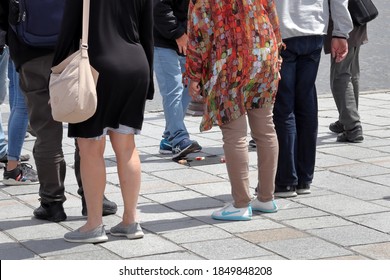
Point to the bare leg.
(93, 175)
(129, 171)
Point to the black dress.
(121, 50)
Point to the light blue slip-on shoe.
(266, 207)
(231, 213)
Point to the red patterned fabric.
(233, 52)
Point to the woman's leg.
(264, 134)
(236, 154)
(18, 119)
(129, 172)
(93, 175)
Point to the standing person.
(122, 90)
(170, 42)
(233, 63)
(303, 26)
(344, 84)
(34, 66)
(16, 173)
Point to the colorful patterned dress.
(233, 53)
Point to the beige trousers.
(237, 159)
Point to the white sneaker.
(267, 207)
(231, 213)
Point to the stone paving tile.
(353, 152)
(187, 224)
(98, 254)
(341, 205)
(18, 190)
(317, 222)
(255, 225)
(4, 195)
(187, 176)
(172, 256)
(309, 248)
(348, 258)
(263, 236)
(218, 190)
(360, 170)
(378, 221)
(14, 208)
(378, 251)
(351, 235)
(51, 247)
(225, 249)
(343, 184)
(25, 230)
(380, 179)
(149, 245)
(323, 160)
(158, 213)
(196, 235)
(17, 252)
(184, 200)
(295, 213)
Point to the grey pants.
(344, 83)
(47, 151)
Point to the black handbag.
(362, 11)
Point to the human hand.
(182, 43)
(339, 48)
(194, 91)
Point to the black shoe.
(252, 143)
(336, 127)
(354, 135)
(109, 207)
(303, 188)
(53, 212)
(285, 191)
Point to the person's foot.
(185, 147)
(165, 147)
(303, 188)
(266, 207)
(109, 207)
(133, 231)
(231, 213)
(96, 235)
(23, 174)
(336, 127)
(53, 212)
(354, 135)
(285, 191)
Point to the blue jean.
(3, 93)
(296, 110)
(169, 67)
(18, 119)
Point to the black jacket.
(20, 53)
(170, 22)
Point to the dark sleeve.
(70, 34)
(165, 20)
(146, 37)
(3, 21)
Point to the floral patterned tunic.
(233, 53)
